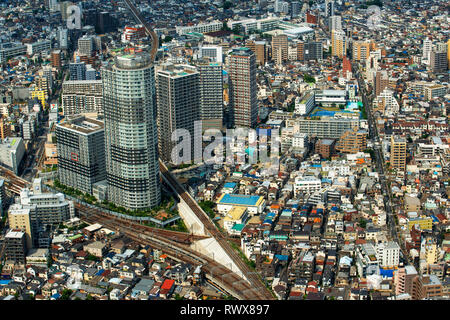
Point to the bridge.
(217, 246)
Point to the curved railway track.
(150, 32)
(252, 277)
(220, 275)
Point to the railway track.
(220, 275)
(253, 277)
(150, 32)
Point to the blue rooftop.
(230, 185)
(238, 199)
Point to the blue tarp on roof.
(282, 257)
(229, 185)
(386, 272)
(435, 219)
(4, 282)
(100, 272)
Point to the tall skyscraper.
(242, 79)
(80, 143)
(211, 95)
(178, 96)
(131, 153)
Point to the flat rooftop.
(82, 124)
(240, 200)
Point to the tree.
(65, 294)
(227, 5)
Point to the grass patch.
(250, 263)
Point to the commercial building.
(438, 61)
(81, 152)
(131, 34)
(12, 151)
(280, 48)
(15, 247)
(20, 219)
(243, 88)
(236, 215)
(253, 204)
(130, 132)
(178, 101)
(83, 96)
(260, 49)
(338, 43)
(398, 153)
(214, 53)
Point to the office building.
(260, 50)
(81, 152)
(280, 48)
(82, 97)
(56, 59)
(243, 88)
(335, 23)
(77, 71)
(398, 153)
(20, 219)
(214, 53)
(86, 45)
(338, 43)
(438, 61)
(16, 247)
(12, 150)
(211, 95)
(329, 8)
(129, 104)
(178, 100)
